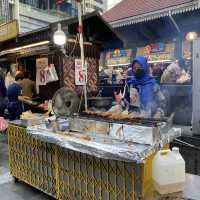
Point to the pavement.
(9, 190)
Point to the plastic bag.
(51, 74)
(134, 97)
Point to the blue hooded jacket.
(145, 85)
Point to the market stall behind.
(25, 50)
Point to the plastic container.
(168, 171)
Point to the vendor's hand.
(20, 98)
(118, 97)
(158, 115)
(26, 98)
(145, 114)
(41, 105)
(116, 108)
(23, 98)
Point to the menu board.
(157, 52)
(79, 73)
(118, 57)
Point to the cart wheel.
(16, 180)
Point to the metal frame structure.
(66, 174)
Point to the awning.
(40, 46)
(191, 6)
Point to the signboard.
(41, 65)
(119, 57)
(9, 31)
(79, 73)
(154, 48)
(155, 54)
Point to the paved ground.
(10, 190)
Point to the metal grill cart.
(71, 165)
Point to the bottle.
(168, 171)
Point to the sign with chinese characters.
(9, 31)
(79, 73)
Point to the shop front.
(161, 56)
(164, 39)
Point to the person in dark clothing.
(28, 89)
(2, 95)
(149, 96)
(15, 106)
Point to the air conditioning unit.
(11, 2)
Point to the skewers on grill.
(123, 117)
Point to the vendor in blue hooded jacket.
(144, 92)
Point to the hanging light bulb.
(59, 36)
(191, 36)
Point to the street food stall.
(77, 154)
(93, 157)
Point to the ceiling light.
(59, 36)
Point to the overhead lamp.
(191, 36)
(59, 36)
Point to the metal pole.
(174, 22)
(48, 5)
(84, 68)
(84, 8)
(17, 14)
(196, 87)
